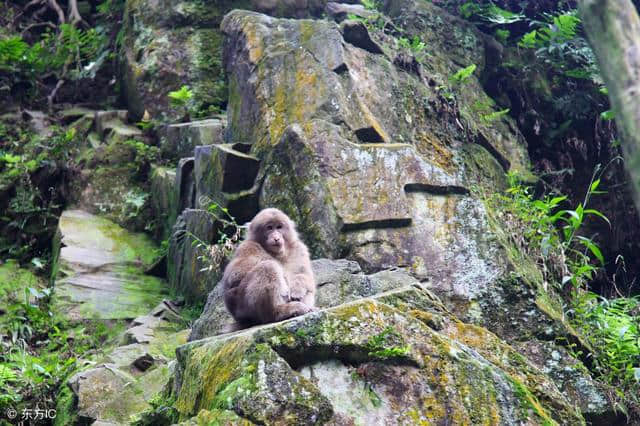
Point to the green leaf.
(608, 115)
(181, 96)
(593, 248)
(599, 214)
(463, 74)
(529, 40)
(557, 200)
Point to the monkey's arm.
(246, 257)
(303, 285)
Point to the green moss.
(210, 86)
(128, 247)
(387, 344)
(65, 408)
(165, 342)
(209, 369)
(529, 404)
(14, 280)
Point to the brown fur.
(269, 278)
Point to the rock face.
(168, 44)
(397, 358)
(179, 140)
(187, 264)
(369, 159)
(99, 270)
(379, 156)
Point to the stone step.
(178, 140)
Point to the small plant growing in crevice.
(370, 4)
(456, 80)
(463, 75)
(415, 45)
(180, 99)
(214, 254)
(387, 344)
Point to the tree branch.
(55, 6)
(74, 13)
(613, 29)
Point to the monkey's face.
(274, 231)
(275, 234)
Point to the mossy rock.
(348, 363)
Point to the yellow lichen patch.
(279, 119)
(291, 99)
(432, 409)
(373, 122)
(489, 346)
(435, 150)
(255, 42)
(306, 31)
(306, 89)
(209, 368)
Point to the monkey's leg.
(291, 309)
(266, 289)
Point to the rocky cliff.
(383, 156)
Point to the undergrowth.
(39, 348)
(542, 228)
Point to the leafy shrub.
(38, 349)
(612, 327)
(415, 44)
(180, 97)
(489, 13)
(550, 235)
(71, 52)
(463, 75)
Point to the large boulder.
(397, 358)
(368, 158)
(171, 43)
(225, 177)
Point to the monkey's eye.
(269, 227)
(279, 226)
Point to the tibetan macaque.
(269, 278)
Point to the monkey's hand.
(298, 290)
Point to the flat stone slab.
(90, 241)
(103, 266)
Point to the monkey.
(269, 278)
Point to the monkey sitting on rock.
(269, 278)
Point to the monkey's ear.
(292, 224)
(251, 231)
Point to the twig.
(74, 14)
(53, 93)
(39, 24)
(24, 10)
(55, 6)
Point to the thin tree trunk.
(613, 29)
